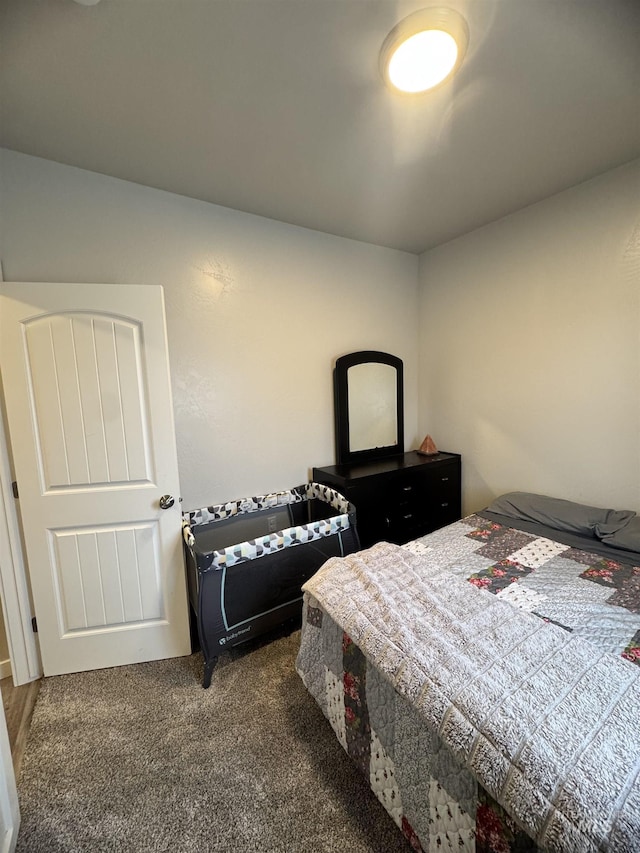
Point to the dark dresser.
(401, 497)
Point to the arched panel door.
(86, 381)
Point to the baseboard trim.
(5, 668)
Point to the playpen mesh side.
(271, 542)
(259, 502)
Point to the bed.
(486, 678)
(247, 560)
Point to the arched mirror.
(368, 406)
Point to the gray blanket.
(546, 721)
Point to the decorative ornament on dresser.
(428, 447)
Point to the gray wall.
(257, 313)
(526, 339)
(530, 347)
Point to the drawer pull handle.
(445, 479)
(408, 516)
(447, 504)
(407, 488)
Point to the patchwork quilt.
(487, 683)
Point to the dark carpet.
(141, 758)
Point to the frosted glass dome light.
(424, 50)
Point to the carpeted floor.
(141, 758)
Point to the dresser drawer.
(426, 500)
(409, 490)
(411, 522)
(446, 483)
(404, 523)
(444, 489)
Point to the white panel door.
(86, 381)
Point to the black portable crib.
(247, 559)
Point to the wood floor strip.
(19, 703)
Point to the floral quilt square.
(587, 558)
(632, 651)
(314, 616)
(504, 544)
(496, 831)
(497, 542)
(499, 576)
(628, 594)
(483, 529)
(476, 521)
(608, 573)
(356, 712)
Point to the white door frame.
(24, 653)
(17, 609)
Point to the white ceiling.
(275, 107)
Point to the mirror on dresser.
(398, 496)
(369, 407)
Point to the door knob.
(166, 502)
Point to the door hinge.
(14, 488)
(34, 625)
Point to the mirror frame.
(344, 454)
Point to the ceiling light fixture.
(424, 50)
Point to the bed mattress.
(486, 681)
